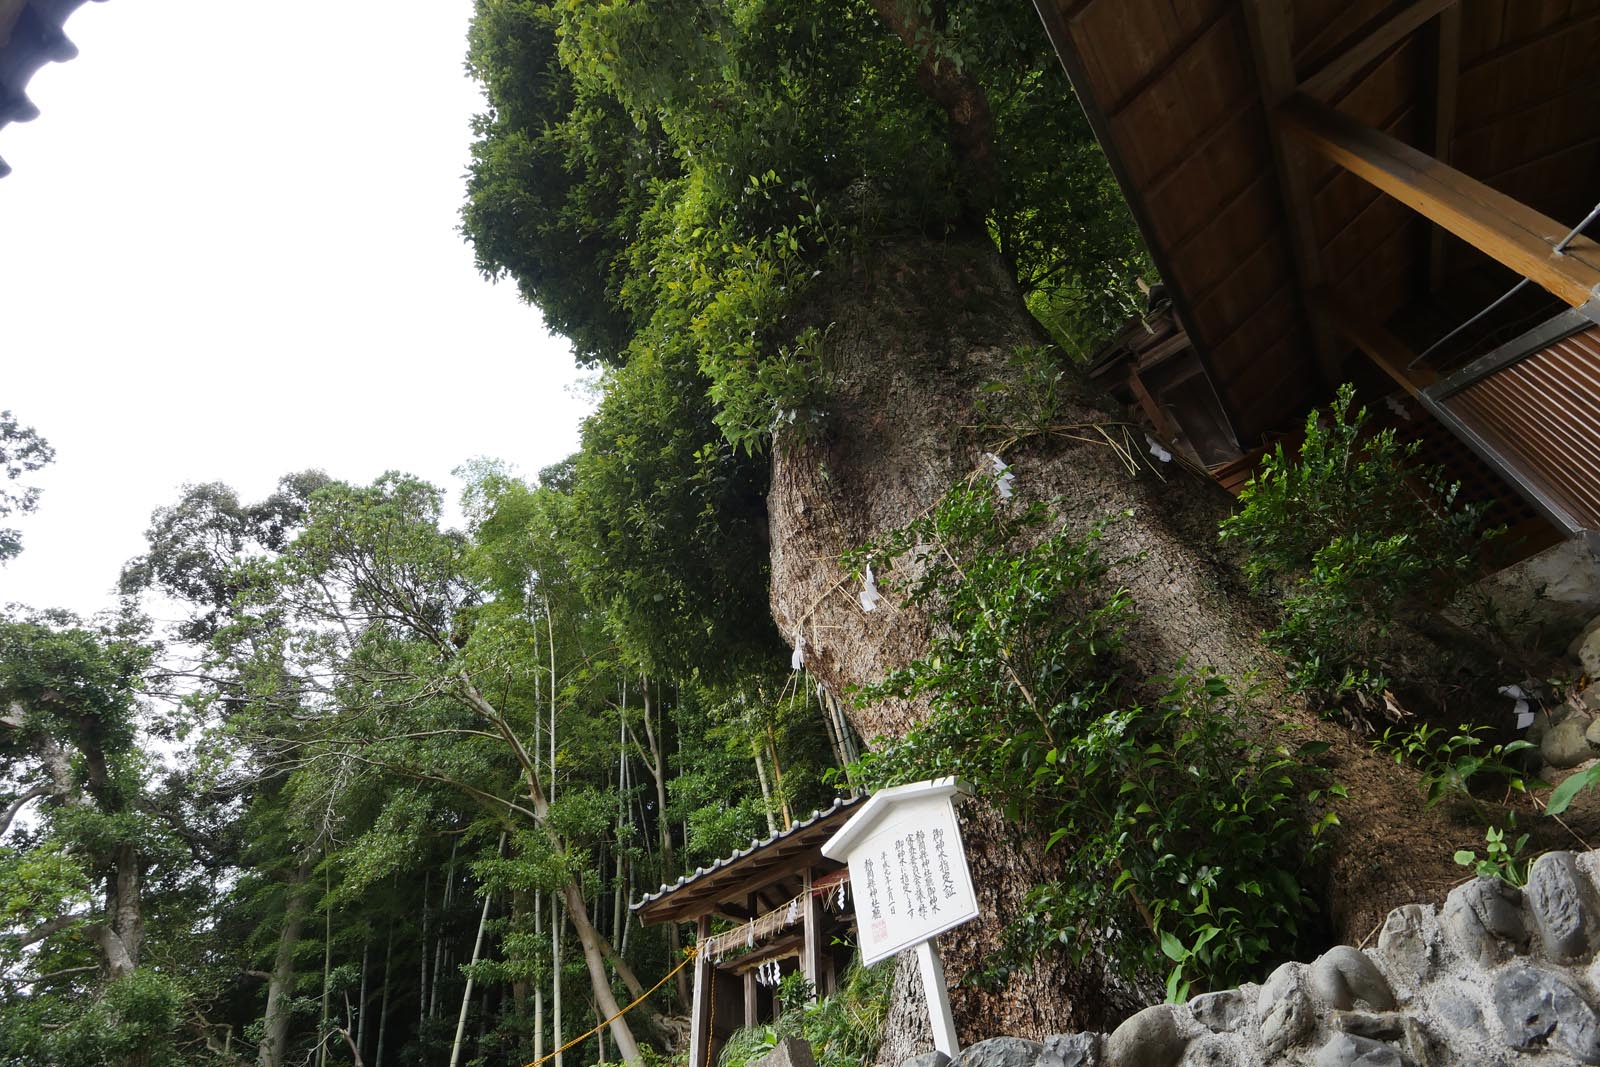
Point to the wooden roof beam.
(1271, 28)
(1370, 42)
(1502, 228)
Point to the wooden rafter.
(1371, 41)
(1508, 231)
(1151, 407)
(1446, 81)
(1271, 42)
(1058, 16)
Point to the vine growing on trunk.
(1172, 811)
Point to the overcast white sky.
(228, 251)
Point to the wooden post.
(937, 995)
(750, 1019)
(700, 1021)
(810, 958)
(1271, 26)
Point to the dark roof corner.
(31, 35)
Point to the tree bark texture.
(916, 330)
(280, 987)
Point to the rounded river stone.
(1540, 1008)
(1071, 1050)
(1151, 1038)
(1220, 1012)
(1343, 1050)
(1565, 744)
(1284, 1010)
(1559, 896)
(1000, 1052)
(1343, 977)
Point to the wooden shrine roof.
(764, 870)
(31, 35)
(1178, 91)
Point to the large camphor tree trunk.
(918, 328)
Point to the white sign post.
(909, 877)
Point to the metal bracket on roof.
(1519, 348)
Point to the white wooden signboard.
(909, 877)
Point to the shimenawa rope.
(688, 954)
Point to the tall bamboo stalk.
(327, 958)
(383, 1002)
(477, 951)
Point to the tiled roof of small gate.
(839, 805)
(31, 35)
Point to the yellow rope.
(711, 1016)
(688, 954)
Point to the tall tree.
(868, 198)
(389, 616)
(76, 881)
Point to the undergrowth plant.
(1354, 536)
(1453, 765)
(1174, 818)
(1463, 765)
(843, 1029)
(1502, 856)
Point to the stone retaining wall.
(1495, 976)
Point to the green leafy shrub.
(748, 1044)
(137, 1020)
(1561, 796)
(843, 1029)
(1174, 817)
(1455, 765)
(1355, 537)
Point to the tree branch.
(16, 806)
(48, 927)
(65, 971)
(972, 131)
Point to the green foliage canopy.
(22, 452)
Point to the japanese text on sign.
(911, 876)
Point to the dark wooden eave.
(31, 35)
(769, 872)
(1257, 231)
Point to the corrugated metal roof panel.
(1542, 415)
